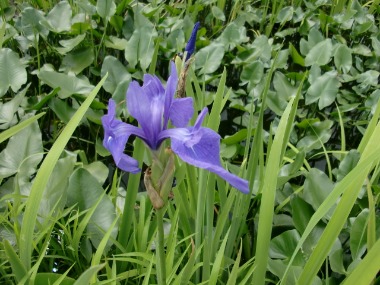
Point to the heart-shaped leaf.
(12, 71)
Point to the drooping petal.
(116, 134)
(190, 47)
(200, 147)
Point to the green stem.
(160, 265)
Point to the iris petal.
(199, 147)
(181, 111)
(146, 104)
(116, 134)
(171, 88)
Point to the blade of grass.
(218, 264)
(370, 129)
(371, 229)
(269, 191)
(255, 153)
(235, 269)
(130, 200)
(42, 178)
(20, 126)
(350, 187)
(367, 269)
(17, 266)
(86, 276)
(103, 243)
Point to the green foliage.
(292, 87)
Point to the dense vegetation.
(292, 87)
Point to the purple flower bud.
(190, 47)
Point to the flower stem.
(160, 264)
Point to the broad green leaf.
(297, 58)
(324, 90)
(233, 35)
(314, 37)
(372, 100)
(317, 133)
(8, 109)
(301, 214)
(336, 260)
(320, 54)
(59, 18)
(68, 45)
(218, 13)
(278, 267)
(284, 91)
(25, 144)
(252, 73)
(116, 43)
(106, 8)
(368, 78)
(209, 58)
(12, 71)
(84, 191)
(343, 58)
(68, 84)
(317, 187)
(347, 164)
(376, 46)
(32, 24)
(358, 235)
(118, 79)
(77, 60)
(98, 170)
(283, 246)
(285, 15)
(62, 109)
(140, 47)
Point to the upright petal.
(146, 104)
(190, 47)
(181, 111)
(116, 134)
(171, 87)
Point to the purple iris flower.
(153, 106)
(190, 47)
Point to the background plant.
(299, 80)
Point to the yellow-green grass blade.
(20, 126)
(359, 171)
(42, 178)
(269, 192)
(354, 181)
(17, 266)
(367, 269)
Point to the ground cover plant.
(112, 176)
